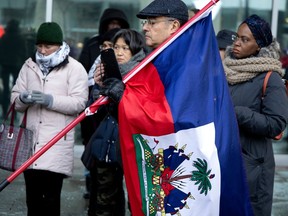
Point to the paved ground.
(12, 198)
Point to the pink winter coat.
(69, 87)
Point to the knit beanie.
(260, 29)
(49, 33)
(168, 8)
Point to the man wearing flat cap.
(162, 18)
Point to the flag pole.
(88, 111)
(104, 100)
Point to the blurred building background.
(80, 20)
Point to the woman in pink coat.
(53, 88)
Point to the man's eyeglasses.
(151, 22)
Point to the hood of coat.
(112, 14)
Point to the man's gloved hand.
(26, 97)
(113, 88)
(41, 98)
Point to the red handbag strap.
(23, 124)
(12, 112)
(19, 137)
(265, 83)
(11, 131)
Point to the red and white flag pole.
(104, 100)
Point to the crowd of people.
(54, 88)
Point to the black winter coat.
(260, 120)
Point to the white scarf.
(47, 62)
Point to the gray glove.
(26, 97)
(41, 98)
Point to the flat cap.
(168, 8)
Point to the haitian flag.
(178, 132)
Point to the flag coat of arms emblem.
(178, 132)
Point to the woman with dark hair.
(261, 116)
(129, 48)
(107, 197)
(132, 38)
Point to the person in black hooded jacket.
(111, 18)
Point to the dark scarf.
(135, 60)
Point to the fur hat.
(225, 38)
(49, 33)
(168, 8)
(260, 29)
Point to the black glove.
(95, 93)
(113, 88)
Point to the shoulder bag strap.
(278, 137)
(11, 128)
(12, 112)
(23, 124)
(265, 83)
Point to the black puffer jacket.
(260, 120)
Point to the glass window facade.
(80, 18)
